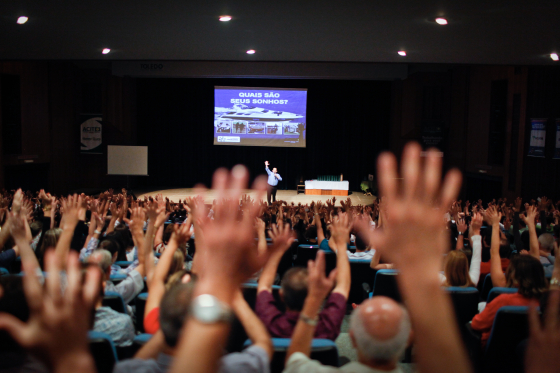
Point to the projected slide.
(260, 116)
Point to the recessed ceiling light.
(21, 20)
(554, 56)
(105, 50)
(441, 21)
(402, 53)
(225, 18)
(251, 51)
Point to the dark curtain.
(347, 127)
(541, 176)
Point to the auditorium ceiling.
(478, 31)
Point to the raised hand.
(414, 228)
(544, 339)
(266, 163)
(71, 214)
(492, 216)
(282, 237)
(226, 248)
(17, 201)
(57, 327)
(136, 222)
(319, 284)
(461, 225)
(476, 224)
(340, 230)
(531, 213)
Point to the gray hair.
(547, 242)
(380, 350)
(106, 259)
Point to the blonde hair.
(457, 269)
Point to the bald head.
(380, 329)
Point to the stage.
(357, 198)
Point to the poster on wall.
(91, 133)
(557, 148)
(538, 137)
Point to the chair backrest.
(509, 329)
(360, 272)
(140, 303)
(115, 301)
(494, 292)
(322, 350)
(385, 284)
(305, 253)
(250, 293)
(117, 278)
(486, 287)
(103, 351)
(465, 303)
(123, 263)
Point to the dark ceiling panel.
(479, 32)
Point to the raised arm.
(57, 326)
(476, 241)
(255, 329)
(136, 225)
(461, 228)
(319, 225)
(414, 238)
(340, 230)
(234, 257)
(156, 285)
(319, 288)
(493, 217)
(282, 240)
(69, 221)
(533, 239)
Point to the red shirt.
(151, 321)
(282, 324)
(484, 320)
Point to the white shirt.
(299, 363)
(361, 255)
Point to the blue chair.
(115, 301)
(103, 351)
(123, 263)
(494, 292)
(509, 329)
(385, 284)
(486, 287)
(250, 293)
(142, 339)
(465, 303)
(140, 303)
(322, 350)
(361, 273)
(4, 271)
(117, 278)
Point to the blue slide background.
(297, 104)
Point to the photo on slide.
(239, 127)
(223, 127)
(255, 128)
(274, 128)
(250, 116)
(291, 129)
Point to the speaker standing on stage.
(273, 178)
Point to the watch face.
(207, 309)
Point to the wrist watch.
(208, 309)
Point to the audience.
(46, 313)
(294, 289)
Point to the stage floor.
(289, 196)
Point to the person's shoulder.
(355, 366)
(137, 366)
